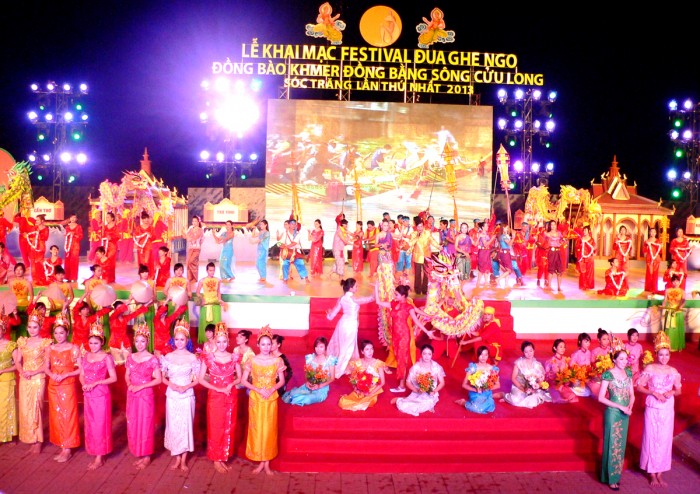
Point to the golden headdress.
(182, 326)
(141, 329)
(661, 341)
(265, 331)
(97, 330)
(36, 317)
(221, 330)
(61, 320)
(616, 344)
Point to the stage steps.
(407, 445)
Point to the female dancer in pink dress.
(634, 350)
(142, 374)
(661, 383)
(96, 374)
(581, 357)
(559, 363)
(343, 343)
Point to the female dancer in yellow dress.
(364, 396)
(8, 407)
(30, 355)
(267, 372)
(211, 302)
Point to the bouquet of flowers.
(565, 376)
(362, 380)
(482, 380)
(425, 382)
(536, 383)
(647, 358)
(315, 375)
(580, 373)
(602, 363)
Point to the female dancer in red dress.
(110, 236)
(144, 235)
(680, 252)
(358, 251)
(585, 249)
(623, 248)
(37, 250)
(316, 252)
(652, 256)
(71, 245)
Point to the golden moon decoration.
(380, 26)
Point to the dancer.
(680, 252)
(162, 324)
(162, 265)
(261, 237)
(24, 293)
(210, 302)
(83, 319)
(7, 263)
(674, 314)
(144, 235)
(220, 372)
(71, 246)
(661, 383)
(489, 335)
(425, 380)
(561, 392)
(8, 402)
(602, 350)
(110, 236)
(277, 341)
(62, 368)
(541, 254)
(142, 375)
(180, 369)
(554, 243)
(227, 258)
(582, 358)
(343, 343)
(617, 393)
(291, 245)
(37, 239)
(652, 258)
(484, 242)
(463, 248)
(402, 235)
(30, 359)
(506, 255)
(404, 315)
(51, 263)
(242, 349)
(623, 248)
(529, 385)
(97, 372)
(262, 444)
(358, 248)
(481, 380)
(634, 352)
(319, 371)
(616, 283)
(194, 236)
(316, 251)
(585, 249)
(341, 238)
(367, 379)
(421, 242)
(94, 233)
(26, 225)
(119, 342)
(371, 236)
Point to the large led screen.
(365, 158)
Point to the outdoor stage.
(324, 438)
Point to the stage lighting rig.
(685, 135)
(60, 119)
(231, 112)
(528, 114)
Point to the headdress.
(182, 326)
(616, 344)
(489, 310)
(36, 317)
(661, 341)
(97, 330)
(265, 331)
(61, 320)
(141, 329)
(221, 330)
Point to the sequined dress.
(8, 403)
(97, 414)
(221, 408)
(262, 412)
(63, 399)
(140, 407)
(31, 391)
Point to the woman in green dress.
(617, 393)
(674, 314)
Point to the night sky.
(144, 62)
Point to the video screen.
(365, 158)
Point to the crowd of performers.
(55, 347)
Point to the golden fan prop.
(141, 292)
(178, 295)
(8, 302)
(103, 295)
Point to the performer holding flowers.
(367, 379)
(481, 380)
(529, 385)
(425, 380)
(559, 375)
(319, 373)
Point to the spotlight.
(204, 155)
(672, 174)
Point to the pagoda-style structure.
(622, 206)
